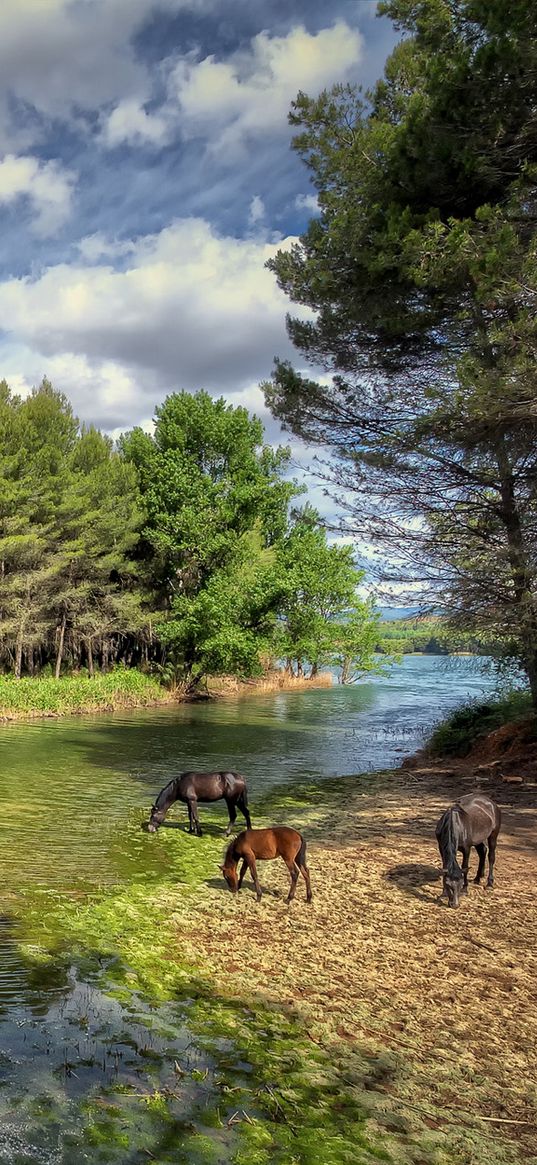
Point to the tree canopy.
(421, 273)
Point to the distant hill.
(391, 613)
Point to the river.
(74, 793)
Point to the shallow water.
(74, 793)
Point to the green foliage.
(321, 618)
(216, 502)
(240, 580)
(68, 526)
(456, 735)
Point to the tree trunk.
(521, 573)
(90, 659)
(18, 652)
(59, 656)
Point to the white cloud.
(97, 246)
(130, 122)
(190, 310)
(250, 93)
(63, 57)
(47, 187)
(307, 202)
(256, 213)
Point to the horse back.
(208, 786)
(482, 816)
(279, 841)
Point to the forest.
(183, 552)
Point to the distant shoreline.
(50, 699)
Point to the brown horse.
(474, 820)
(193, 787)
(266, 844)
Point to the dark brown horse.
(472, 821)
(266, 844)
(193, 787)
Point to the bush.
(456, 735)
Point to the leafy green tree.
(228, 626)
(216, 501)
(421, 270)
(322, 621)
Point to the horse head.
(156, 817)
(453, 884)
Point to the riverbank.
(27, 698)
(372, 1024)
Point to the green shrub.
(456, 735)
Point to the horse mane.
(164, 793)
(447, 841)
(229, 852)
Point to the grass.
(121, 688)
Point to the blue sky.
(146, 176)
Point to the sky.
(146, 175)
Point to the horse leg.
(482, 851)
(293, 872)
(190, 818)
(253, 870)
(306, 876)
(242, 872)
(492, 858)
(232, 815)
(195, 821)
(465, 864)
(243, 806)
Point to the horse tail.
(301, 855)
(242, 802)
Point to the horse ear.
(222, 868)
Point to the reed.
(46, 696)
